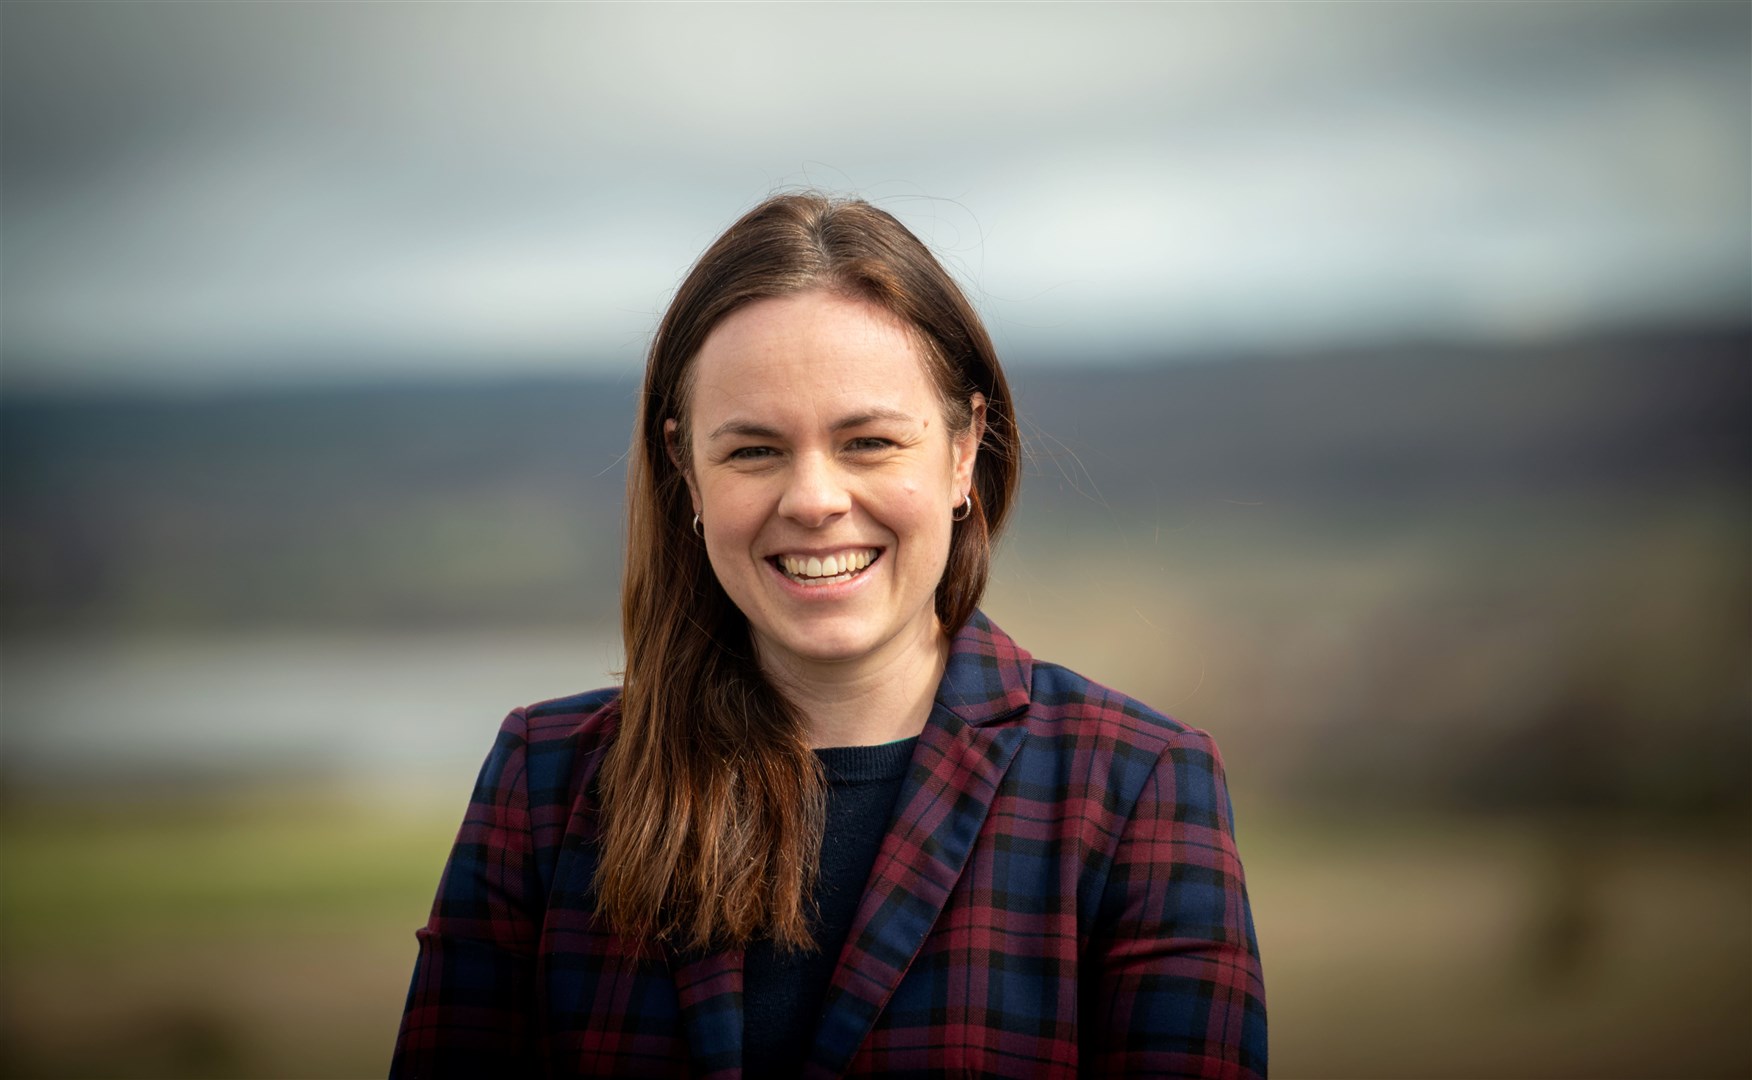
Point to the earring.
(965, 510)
(699, 532)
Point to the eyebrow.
(750, 430)
(870, 416)
(745, 428)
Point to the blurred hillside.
(1407, 427)
(388, 507)
(482, 503)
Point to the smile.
(826, 569)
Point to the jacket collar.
(988, 675)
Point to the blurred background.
(1386, 382)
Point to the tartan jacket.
(1058, 895)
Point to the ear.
(965, 447)
(682, 466)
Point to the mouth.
(816, 570)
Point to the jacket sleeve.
(470, 1005)
(1172, 983)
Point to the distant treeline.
(448, 503)
(1600, 418)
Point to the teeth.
(830, 566)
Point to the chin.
(824, 645)
(828, 639)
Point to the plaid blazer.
(1058, 895)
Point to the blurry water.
(372, 708)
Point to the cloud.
(231, 192)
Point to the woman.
(834, 821)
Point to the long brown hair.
(712, 801)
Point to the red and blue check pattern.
(1058, 895)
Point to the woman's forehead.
(820, 321)
(813, 355)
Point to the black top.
(782, 991)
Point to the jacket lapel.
(962, 756)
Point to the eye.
(751, 453)
(869, 442)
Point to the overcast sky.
(216, 194)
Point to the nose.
(815, 492)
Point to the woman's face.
(824, 475)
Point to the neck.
(876, 699)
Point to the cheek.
(917, 515)
(929, 479)
(921, 496)
(905, 498)
(729, 510)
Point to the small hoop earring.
(699, 532)
(964, 511)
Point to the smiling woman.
(834, 821)
(824, 470)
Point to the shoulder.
(552, 748)
(1065, 702)
(1075, 726)
(1127, 751)
(589, 716)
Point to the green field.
(268, 936)
(271, 936)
